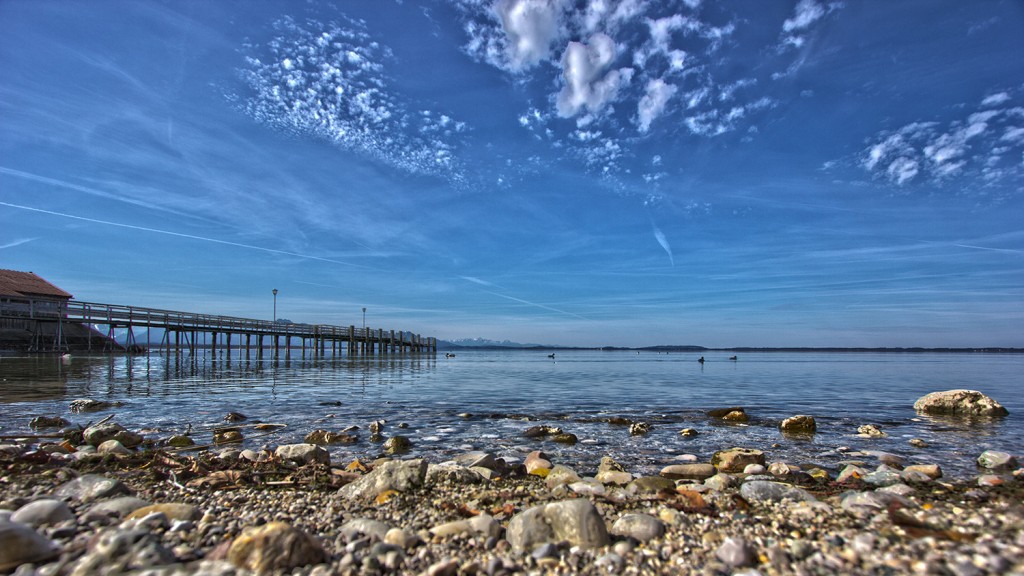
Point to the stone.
(537, 464)
(477, 458)
(719, 482)
(482, 524)
(325, 437)
(930, 470)
(736, 416)
(699, 472)
(870, 431)
(45, 512)
(883, 476)
(100, 433)
(576, 521)
(541, 431)
(851, 473)
(112, 447)
(561, 475)
(404, 539)
(399, 475)
(565, 438)
(959, 403)
(650, 484)
(397, 445)
(997, 460)
(800, 424)
(688, 432)
(769, 491)
(116, 551)
(736, 459)
(639, 428)
(235, 417)
(753, 469)
(180, 441)
(88, 405)
(48, 422)
(303, 453)
(864, 503)
(122, 505)
(918, 443)
(230, 436)
(614, 477)
(608, 464)
(722, 412)
(172, 511)
(364, 526)
(273, 547)
(20, 544)
(736, 552)
(89, 487)
(452, 472)
(641, 527)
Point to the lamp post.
(274, 291)
(364, 317)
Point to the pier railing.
(355, 339)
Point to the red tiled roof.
(24, 284)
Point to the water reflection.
(485, 400)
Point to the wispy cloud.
(17, 242)
(179, 234)
(663, 241)
(536, 305)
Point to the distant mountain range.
(484, 343)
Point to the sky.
(580, 173)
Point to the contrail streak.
(180, 235)
(84, 189)
(534, 304)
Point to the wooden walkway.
(182, 331)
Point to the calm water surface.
(506, 392)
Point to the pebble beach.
(114, 501)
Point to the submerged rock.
(323, 437)
(48, 422)
(800, 424)
(959, 403)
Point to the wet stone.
(100, 433)
(689, 471)
(48, 422)
(397, 445)
(800, 424)
(870, 431)
(736, 459)
(997, 460)
(325, 437)
(959, 403)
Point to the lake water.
(505, 392)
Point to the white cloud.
(653, 103)
(996, 99)
(982, 144)
(531, 27)
(328, 81)
(586, 85)
(807, 12)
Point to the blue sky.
(598, 172)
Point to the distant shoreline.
(898, 350)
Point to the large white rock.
(959, 403)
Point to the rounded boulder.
(959, 403)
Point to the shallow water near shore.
(487, 399)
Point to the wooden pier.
(182, 331)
